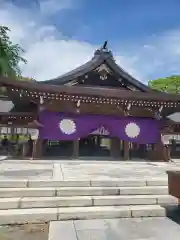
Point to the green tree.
(22, 78)
(169, 84)
(10, 55)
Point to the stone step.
(85, 201)
(82, 191)
(39, 215)
(101, 191)
(132, 182)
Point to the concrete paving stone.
(124, 200)
(87, 191)
(13, 183)
(127, 229)
(49, 202)
(75, 213)
(21, 216)
(92, 234)
(118, 183)
(62, 230)
(148, 211)
(93, 224)
(9, 203)
(26, 192)
(157, 182)
(156, 190)
(57, 171)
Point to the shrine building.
(97, 110)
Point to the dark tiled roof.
(100, 57)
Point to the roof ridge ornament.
(102, 50)
(104, 47)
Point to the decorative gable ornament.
(103, 71)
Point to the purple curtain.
(63, 126)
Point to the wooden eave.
(41, 89)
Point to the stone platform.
(40, 191)
(115, 229)
(84, 169)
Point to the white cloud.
(49, 7)
(51, 54)
(48, 52)
(159, 56)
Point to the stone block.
(75, 183)
(21, 216)
(118, 183)
(123, 200)
(156, 190)
(49, 202)
(57, 183)
(157, 182)
(13, 183)
(9, 203)
(93, 213)
(87, 191)
(43, 183)
(167, 200)
(26, 192)
(148, 211)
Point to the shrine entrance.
(118, 138)
(95, 145)
(98, 143)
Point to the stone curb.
(85, 201)
(111, 212)
(81, 191)
(39, 215)
(5, 183)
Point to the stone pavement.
(83, 170)
(116, 229)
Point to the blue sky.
(120, 20)
(143, 35)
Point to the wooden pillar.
(126, 150)
(37, 148)
(111, 147)
(115, 147)
(76, 148)
(159, 153)
(98, 141)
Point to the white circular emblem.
(67, 126)
(132, 130)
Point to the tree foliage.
(169, 84)
(22, 78)
(10, 55)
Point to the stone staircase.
(23, 201)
